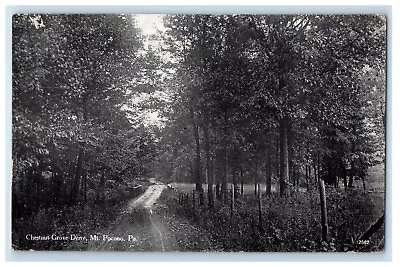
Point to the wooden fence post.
(324, 213)
(260, 220)
(232, 200)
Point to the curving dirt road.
(147, 199)
(136, 229)
(145, 225)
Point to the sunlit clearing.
(149, 23)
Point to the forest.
(234, 132)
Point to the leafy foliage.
(72, 77)
(244, 76)
(239, 98)
(289, 224)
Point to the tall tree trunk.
(278, 152)
(234, 179)
(260, 219)
(255, 174)
(268, 182)
(324, 214)
(197, 172)
(319, 167)
(102, 190)
(241, 183)
(213, 173)
(353, 150)
(65, 199)
(224, 184)
(290, 153)
(81, 154)
(224, 188)
(351, 177)
(284, 158)
(308, 176)
(55, 187)
(209, 172)
(77, 176)
(315, 171)
(84, 189)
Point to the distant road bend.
(147, 199)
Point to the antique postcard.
(198, 132)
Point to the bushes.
(64, 221)
(58, 222)
(289, 224)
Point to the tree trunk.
(225, 160)
(234, 179)
(284, 158)
(315, 171)
(324, 213)
(81, 154)
(268, 182)
(82, 194)
(197, 172)
(232, 199)
(56, 186)
(319, 167)
(85, 189)
(77, 177)
(102, 190)
(241, 183)
(351, 177)
(260, 219)
(209, 172)
(278, 152)
(353, 150)
(307, 176)
(224, 184)
(213, 174)
(290, 153)
(255, 174)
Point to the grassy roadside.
(288, 224)
(63, 222)
(180, 231)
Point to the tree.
(72, 76)
(256, 74)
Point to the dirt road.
(136, 229)
(147, 199)
(146, 225)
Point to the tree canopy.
(297, 85)
(102, 111)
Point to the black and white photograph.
(199, 132)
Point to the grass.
(63, 221)
(288, 224)
(59, 222)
